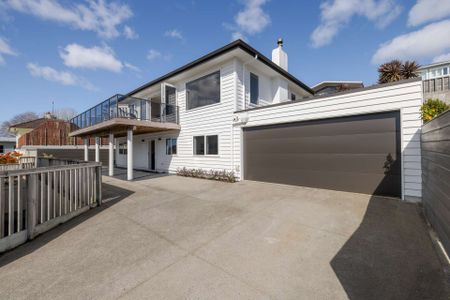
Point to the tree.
(433, 107)
(20, 118)
(65, 113)
(409, 69)
(396, 70)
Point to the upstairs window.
(293, 97)
(254, 88)
(203, 91)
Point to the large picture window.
(208, 145)
(203, 91)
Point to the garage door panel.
(359, 153)
(365, 163)
(326, 128)
(362, 182)
(360, 143)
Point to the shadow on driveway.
(390, 256)
(111, 195)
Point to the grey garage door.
(357, 154)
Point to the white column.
(97, 149)
(130, 154)
(86, 148)
(111, 154)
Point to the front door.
(151, 155)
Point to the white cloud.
(131, 67)
(252, 19)
(442, 57)
(77, 56)
(62, 77)
(174, 33)
(155, 54)
(5, 49)
(97, 15)
(130, 33)
(336, 14)
(428, 10)
(237, 36)
(427, 42)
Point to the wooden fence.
(33, 201)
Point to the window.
(2, 149)
(208, 145)
(212, 145)
(199, 145)
(203, 91)
(254, 88)
(293, 97)
(171, 146)
(123, 149)
(445, 71)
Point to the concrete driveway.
(171, 237)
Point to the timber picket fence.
(32, 201)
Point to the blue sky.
(77, 53)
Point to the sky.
(78, 53)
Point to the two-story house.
(235, 109)
(436, 81)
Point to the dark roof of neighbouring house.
(351, 84)
(35, 123)
(234, 45)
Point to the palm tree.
(390, 71)
(410, 69)
(396, 70)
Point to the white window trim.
(204, 145)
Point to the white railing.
(33, 201)
(25, 162)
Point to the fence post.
(32, 204)
(98, 183)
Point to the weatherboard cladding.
(405, 97)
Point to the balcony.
(120, 113)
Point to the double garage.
(366, 141)
(357, 153)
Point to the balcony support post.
(111, 155)
(86, 149)
(97, 149)
(130, 154)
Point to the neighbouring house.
(45, 131)
(7, 144)
(235, 109)
(436, 81)
(331, 87)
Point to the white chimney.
(279, 56)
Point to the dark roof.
(236, 44)
(34, 123)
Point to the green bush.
(433, 107)
(227, 176)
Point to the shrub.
(226, 176)
(431, 108)
(10, 158)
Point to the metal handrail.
(119, 106)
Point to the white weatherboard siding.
(404, 97)
(215, 119)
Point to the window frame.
(252, 77)
(170, 143)
(123, 149)
(205, 145)
(198, 79)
